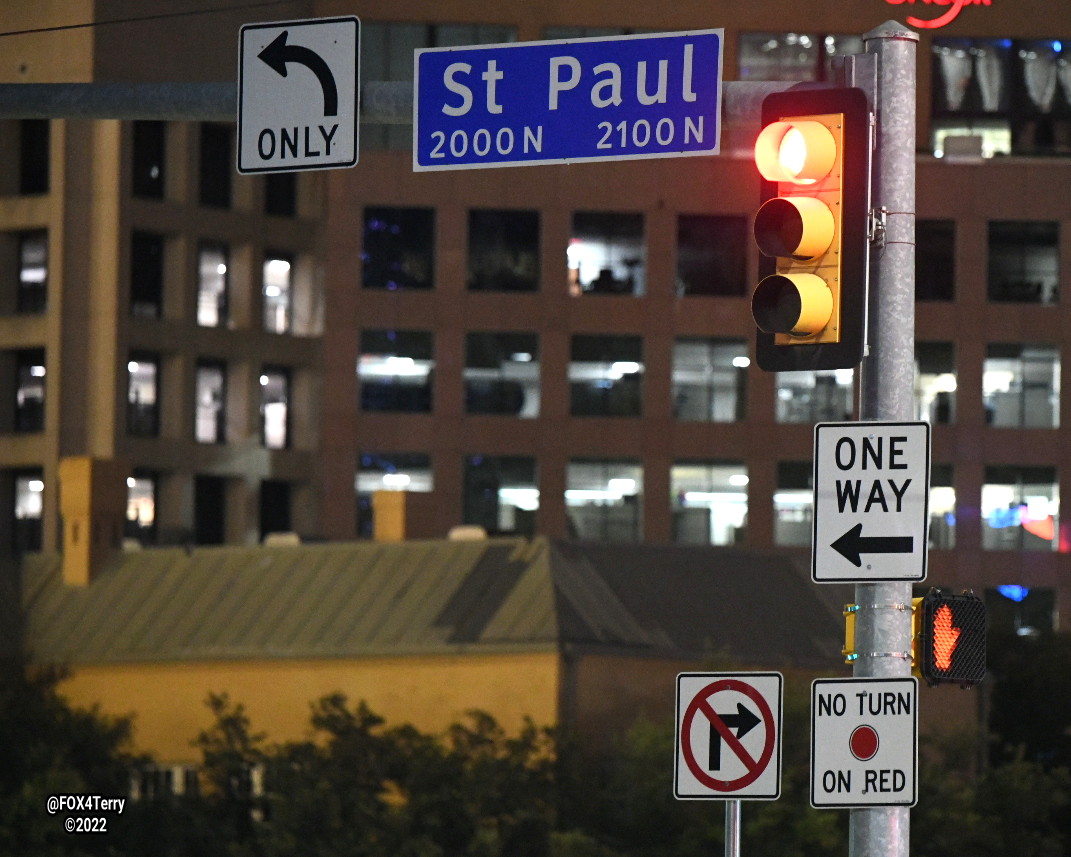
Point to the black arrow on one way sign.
(743, 722)
(853, 543)
(279, 53)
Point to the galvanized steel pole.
(887, 384)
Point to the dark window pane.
(399, 248)
(711, 255)
(280, 194)
(33, 156)
(149, 156)
(1024, 262)
(935, 260)
(274, 507)
(504, 250)
(217, 165)
(146, 274)
(209, 510)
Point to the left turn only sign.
(728, 736)
(297, 95)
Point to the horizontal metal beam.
(382, 102)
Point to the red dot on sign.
(864, 743)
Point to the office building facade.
(556, 350)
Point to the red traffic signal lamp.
(814, 154)
(950, 644)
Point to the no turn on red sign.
(864, 742)
(728, 736)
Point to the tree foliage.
(359, 787)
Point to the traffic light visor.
(801, 152)
(796, 304)
(800, 226)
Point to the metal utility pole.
(883, 622)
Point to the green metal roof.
(422, 597)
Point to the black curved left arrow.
(279, 53)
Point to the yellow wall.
(430, 692)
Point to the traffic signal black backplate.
(848, 352)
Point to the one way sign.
(297, 95)
(871, 501)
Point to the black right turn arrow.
(853, 543)
(743, 722)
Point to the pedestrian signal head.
(951, 646)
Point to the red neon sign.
(954, 9)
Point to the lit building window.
(388, 471)
(143, 394)
(606, 376)
(395, 370)
(709, 379)
(814, 397)
(210, 424)
(1024, 262)
(604, 500)
(606, 254)
(935, 382)
(1021, 386)
(503, 250)
(141, 508)
(275, 407)
(793, 504)
(1020, 508)
(500, 493)
(712, 255)
(502, 374)
(29, 511)
(33, 272)
(709, 502)
(399, 248)
(942, 529)
(793, 56)
(276, 292)
(1000, 96)
(30, 390)
(212, 278)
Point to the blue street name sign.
(557, 102)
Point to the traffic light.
(950, 643)
(814, 154)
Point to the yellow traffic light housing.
(813, 154)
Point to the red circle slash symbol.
(721, 731)
(864, 743)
